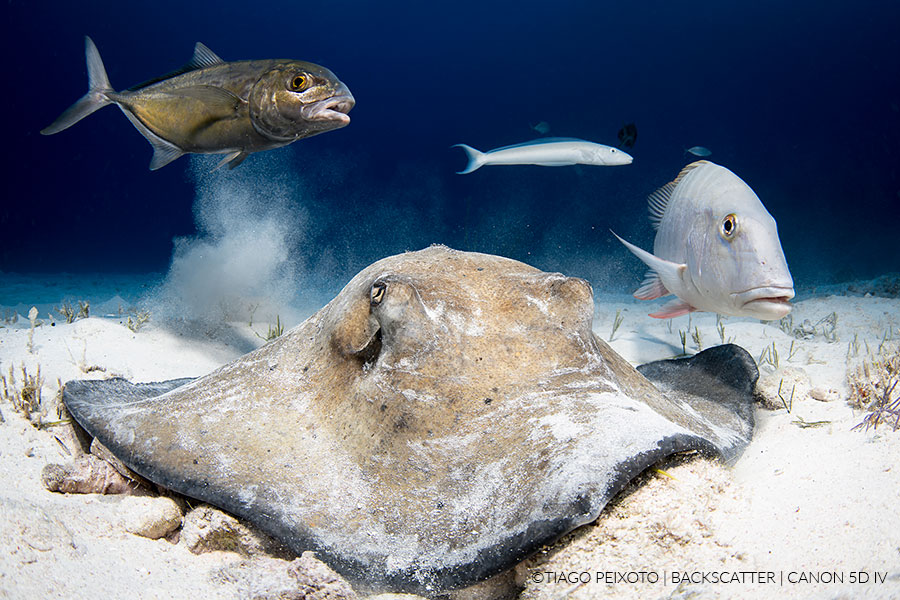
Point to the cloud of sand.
(243, 263)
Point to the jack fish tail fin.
(476, 158)
(95, 99)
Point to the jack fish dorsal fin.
(658, 201)
(203, 57)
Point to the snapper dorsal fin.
(688, 168)
(658, 201)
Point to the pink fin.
(672, 309)
(651, 288)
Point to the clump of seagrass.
(875, 388)
(137, 319)
(616, 323)
(71, 313)
(826, 327)
(27, 399)
(274, 332)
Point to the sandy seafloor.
(810, 499)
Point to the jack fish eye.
(376, 295)
(299, 83)
(729, 226)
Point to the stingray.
(442, 418)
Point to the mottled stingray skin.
(438, 421)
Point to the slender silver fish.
(547, 152)
(716, 248)
(210, 106)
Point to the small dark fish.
(699, 151)
(542, 128)
(214, 107)
(628, 136)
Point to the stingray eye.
(299, 83)
(376, 295)
(612, 150)
(729, 226)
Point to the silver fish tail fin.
(95, 99)
(476, 158)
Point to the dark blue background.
(800, 99)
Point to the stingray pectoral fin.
(92, 402)
(717, 385)
(84, 396)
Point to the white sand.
(801, 500)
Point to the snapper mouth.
(769, 303)
(331, 109)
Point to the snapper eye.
(729, 226)
(299, 83)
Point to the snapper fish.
(210, 106)
(716, 248)
(546, 152)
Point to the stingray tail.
(476, 158)
(95, 99)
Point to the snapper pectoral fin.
(673, 308)
(663, 277)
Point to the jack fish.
(214, 107)
(716, 248)
(546, 152)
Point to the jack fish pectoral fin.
(216, 99)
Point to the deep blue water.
(800, 99)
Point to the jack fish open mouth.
(332, 109)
